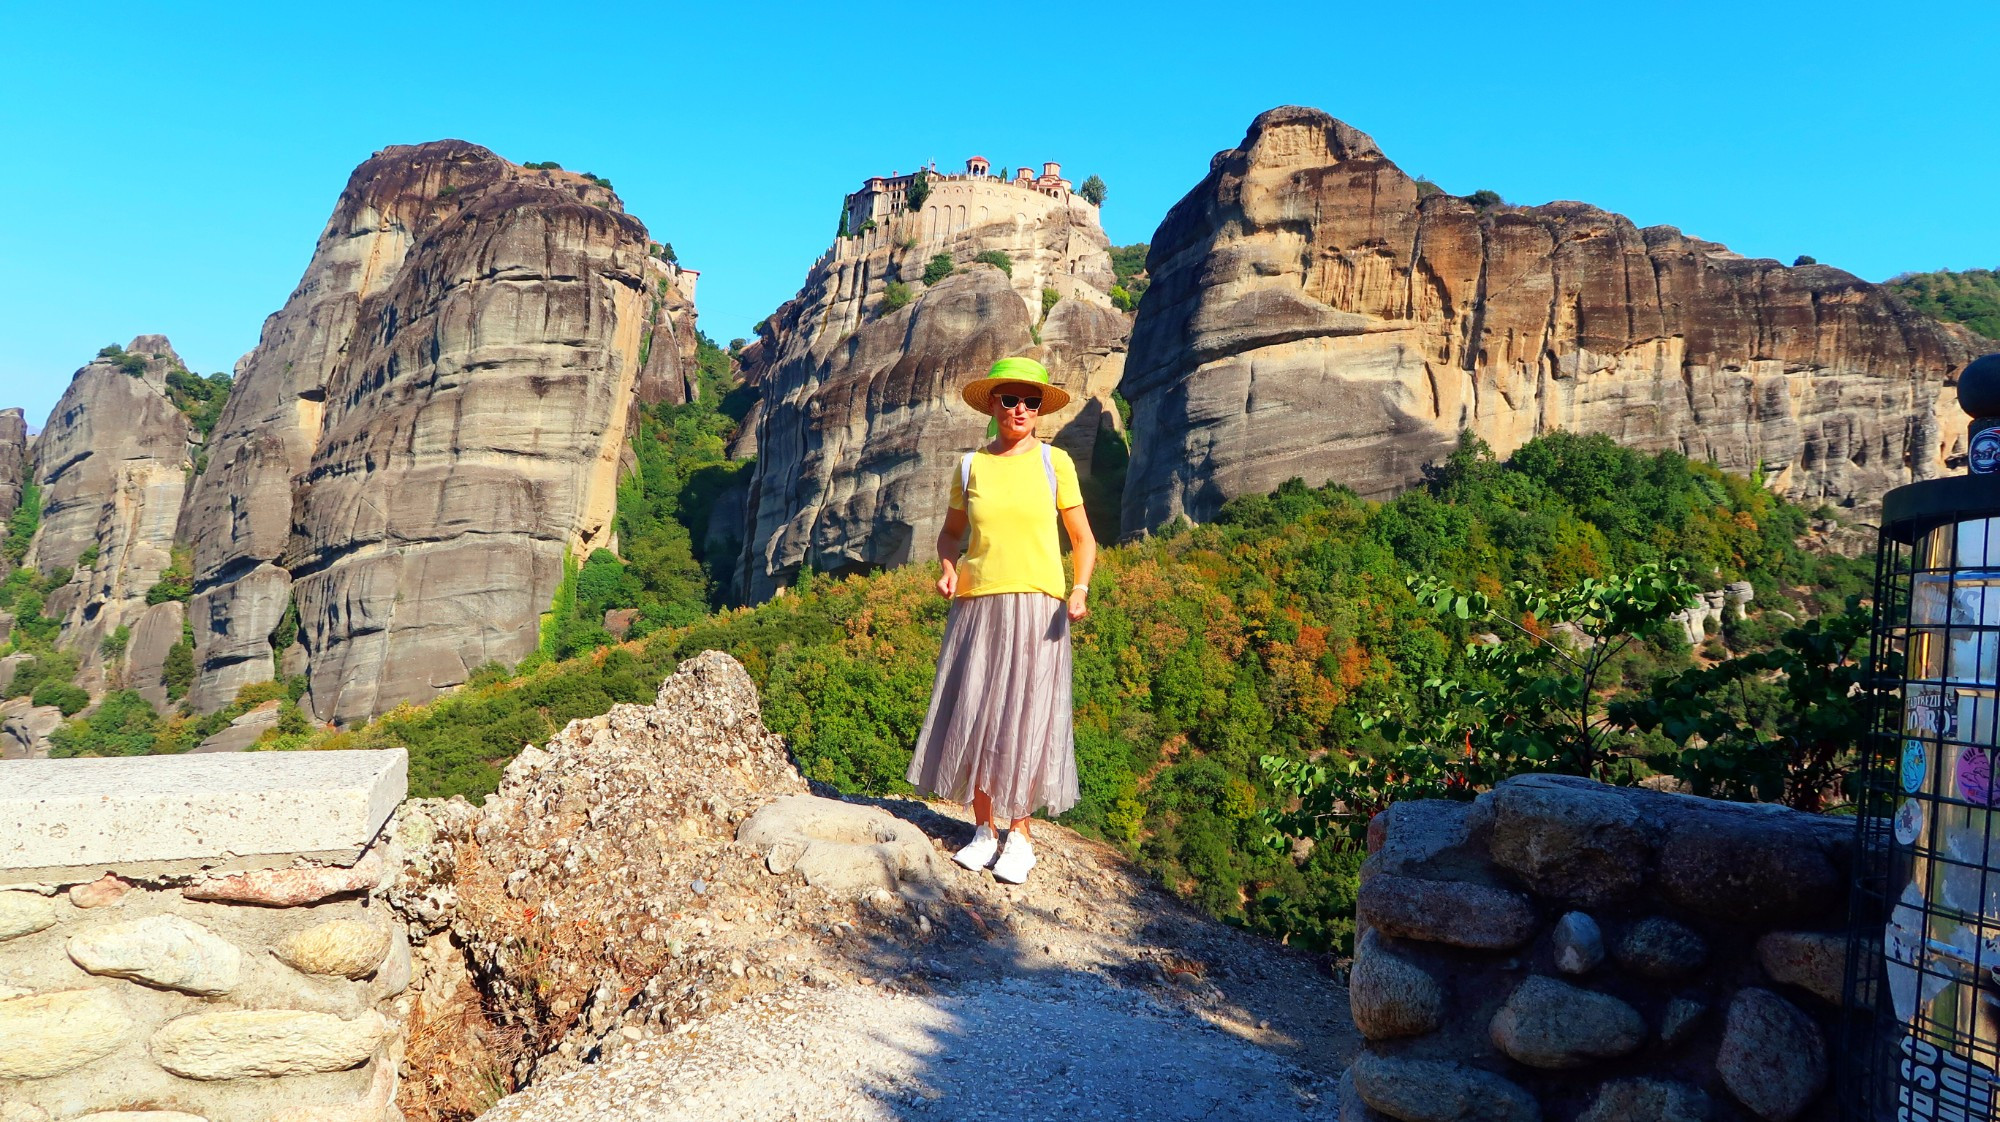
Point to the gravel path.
(1052, 1046)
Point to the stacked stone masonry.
(1560, 949)
(246, 985)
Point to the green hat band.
(1019, 370)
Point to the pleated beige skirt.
(1000, 719)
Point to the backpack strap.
(965, 475)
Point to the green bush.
(998, 259)
(177, 581)
(21, 525)
(1050, 297)
(1121, 299)
(88, 558)
(1093, 191)
(1485, 200)
(895, 295)
(177, 672)
(57, 667)
(917, 192)
(64, 696)
(113, 646)
(1971, 297)
(940, 267)
(124, 724)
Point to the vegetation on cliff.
(1971, 297)
(1281, 630)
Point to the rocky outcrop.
(13, 459)
(113, 466)
(1313, 314)
(434, 418)
(858, 418)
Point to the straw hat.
(978, 393)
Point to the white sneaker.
(1016, 859)
(978, 853)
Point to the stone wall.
(212, 947)
(1566, 950)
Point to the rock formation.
(113, 466)
(13, 459)
(858, 419)
(434, 418)
(1313, 313)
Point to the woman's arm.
(950, 543)
(1083, 551)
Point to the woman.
(999, 733)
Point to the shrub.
(64, 696)
(123, 725)
(1050, 297)
(1802, 259)
(1121, 299)
(177, 673)
(895, 295)
(21, 525)
(177, 582)
(1425, 188)
(939, 268)
(1093, 191)
(1485, 199)
(918, 191)
(113, 646)
(998, 260)
(88, 557)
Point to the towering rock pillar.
(436, 416)
(1314, 314)
(13, 459)
(858, 420)
(113, 466)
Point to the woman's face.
(1018, 421)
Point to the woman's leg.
(982, 808)
(1021, 825)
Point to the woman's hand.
(947, 584)
(1078, 606)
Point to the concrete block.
(164, 814)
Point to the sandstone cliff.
(13, 459)
(858, 420)
(112, 465)
(433, 419)
(1313, 314)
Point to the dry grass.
(457, 1063)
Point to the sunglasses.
(1009, 401)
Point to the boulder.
(1648, 1100)
(1457, 913)
(242, 732)
(348, 948)
(1772, 1058)
(265, 1042)
(1389, 995)
(1659, 948)
(24, 913)
(1682, 1016)
(1424, 837)
(847, 849)
(1816, 962)
(1763, 866)
(1581, 843)
(288, 888)
(1579, 944)
(25, 729)
(47, 1034)
(165, 951)
(1434, 1091)
(1551, 1024)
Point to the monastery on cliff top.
(959, 201)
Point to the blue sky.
(168, 167)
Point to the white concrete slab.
(163, 812)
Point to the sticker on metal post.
(1975, 775)
(1935, 1084)
(1914, 763)
(1909, 821)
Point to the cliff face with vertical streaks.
(1313, 314)
(434, 418)
(859, 423)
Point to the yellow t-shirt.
(1013, 545)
